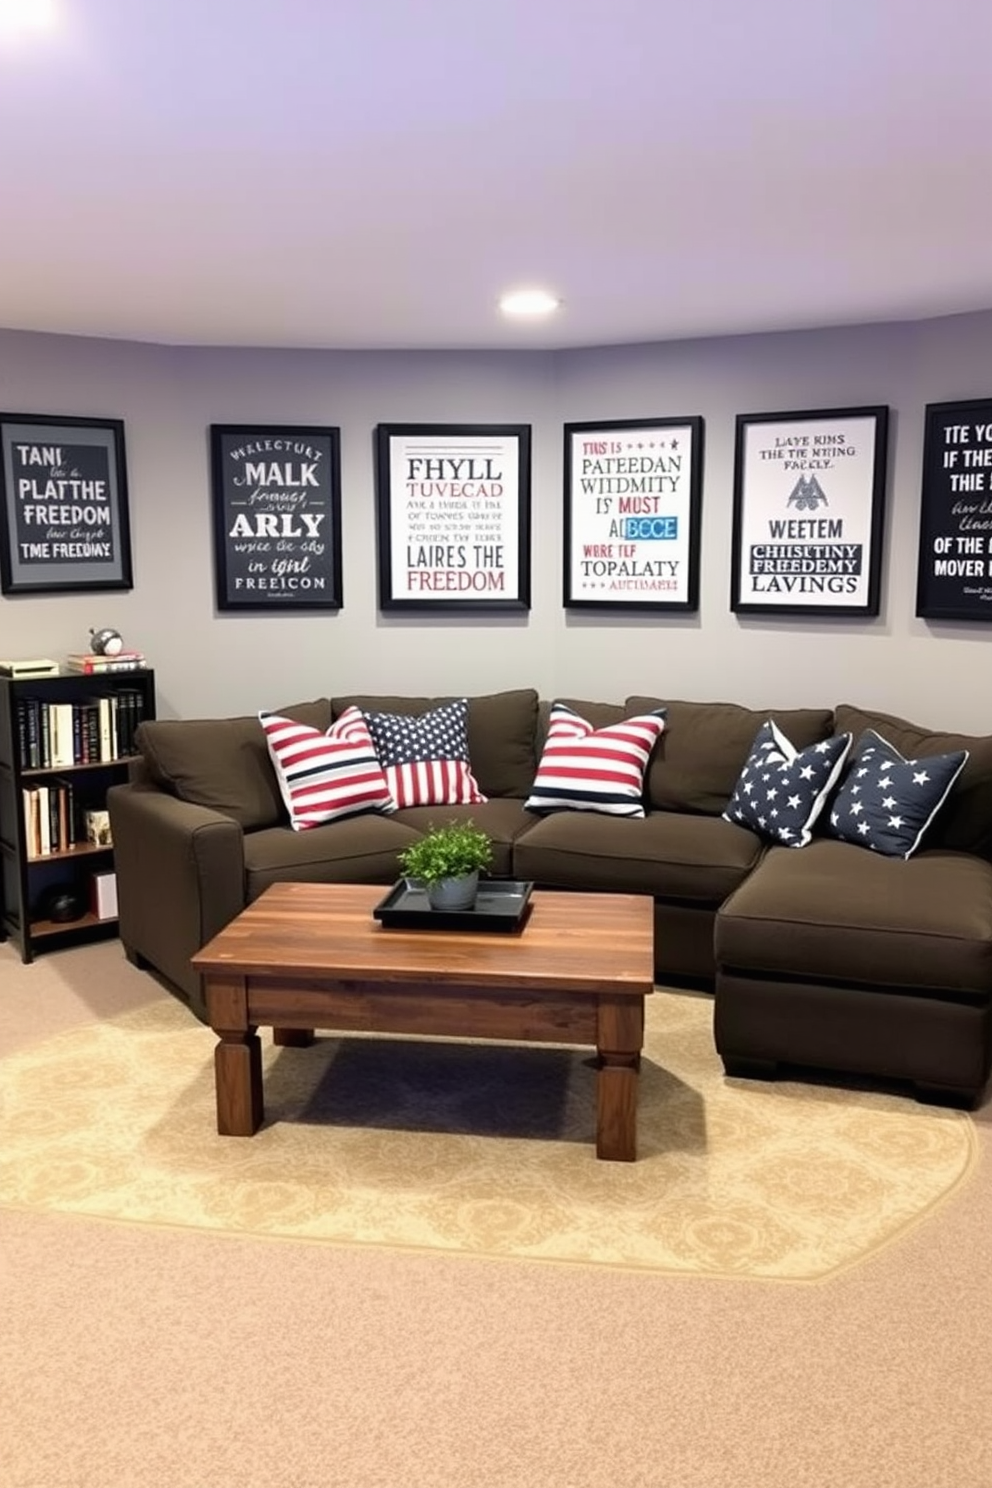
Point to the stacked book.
(57, 736)
(95, 663)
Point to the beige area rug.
(479, 1148)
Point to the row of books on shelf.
(94, 662)
(54, 821)
(99, 730)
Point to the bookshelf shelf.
(64, 740)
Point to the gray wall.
(210, 663)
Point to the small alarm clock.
(106, 642)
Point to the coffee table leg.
(619, 1039)
(238, 1078)
(292, 1038)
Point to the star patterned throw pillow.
(587, 769)
(425, 758)
(325, 777)
(781, 791)
(886, 802)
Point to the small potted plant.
(447, 861)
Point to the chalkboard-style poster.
(63, 484)
(453, 506)
(277, 517)
(954, 580)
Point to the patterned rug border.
(163, 1011)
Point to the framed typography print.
(277, 517)
(954, 575)
(632, 509)
(453, 507)
(809, 497)
(63, 488)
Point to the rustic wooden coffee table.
(306, 956)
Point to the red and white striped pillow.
(324, 777)
(587, 769)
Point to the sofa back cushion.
(964, 822)
(502, 728)
(697, 760)
(223, 763)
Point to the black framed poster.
(954, 577)
(277, 516)
(63, 490)
(453, 504)
(632, 514)
(809, 498)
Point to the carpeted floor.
(479, 1149)
(178, 1356)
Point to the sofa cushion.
(324, 777)
(425, 759)
(360, 849)
(704, 746)
(501, 733)
(583, 768)
(887, 803)
(857, 918)
(689, 859)
(223, 763)
(782, 790)
(964, 823)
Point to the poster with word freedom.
(65, 523)
(453, 514)
(632, 514)
(276, 495)
(955, 563)
(808, 501)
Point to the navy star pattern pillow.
(425, 758)
(781, 791)
(886, 802)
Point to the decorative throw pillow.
(587, 769)
(324, 777)
(425, 757)
(886, 802)
(781, 790)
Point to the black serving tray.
(501, 904)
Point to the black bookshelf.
(64, 740)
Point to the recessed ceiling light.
(529, 302)
(18, 17)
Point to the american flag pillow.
(587, 769)
(425, 758)
(324, 777)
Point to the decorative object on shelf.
(809, 493)
(453, 506)
(63, 903)
(63, 504)
(954, 576)
(632, 514)
(447, 861)
(277, 517)
(30, 666)
(106, 642)
(97, 823)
